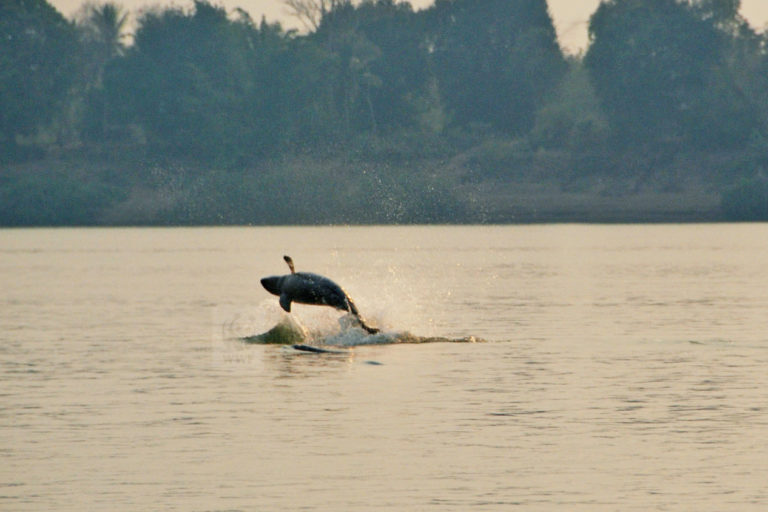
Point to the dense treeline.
(378, 113)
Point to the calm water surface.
(625, 368)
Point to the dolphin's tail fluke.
(368, 329)
(354, 311)
(352, 307)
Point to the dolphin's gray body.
(308, 288)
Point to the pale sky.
(570, 16)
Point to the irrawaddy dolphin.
(308, 288)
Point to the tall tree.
(402, 66)
(36, 67)
(193, 80)
(351, 56)
(379, 62)
(103, 27)
(494, 60)
(735, 107)
(103, 30)
(310, 12)
(651, 62)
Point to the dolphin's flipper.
(289, 261)
(285, 302)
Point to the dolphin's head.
(272, 284)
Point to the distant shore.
(83, 190)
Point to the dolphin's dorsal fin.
(285, 302)
(289, 261)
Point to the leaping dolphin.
(308, 288)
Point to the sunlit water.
(625, 368)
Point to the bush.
(53, 199)
(746, 201)
(498, 159)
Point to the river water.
(623, 368)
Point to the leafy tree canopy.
(664, 70)
(495, 60)
(38, 51)
(197, 81)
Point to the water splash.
(289, 331)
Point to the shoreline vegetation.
(464, 112)
(106, 191)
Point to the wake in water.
(288, 331)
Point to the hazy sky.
(570, 16)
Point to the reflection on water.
(625, 369)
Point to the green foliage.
(378, 114)
(375, 67)
(497, 159)
(287, 192)
(571, 117)
(102, 29)
(53, 197)
(650, 62)
(199, 83)
(677, 72)
(399, 74)
(37, 66)
(735, 102)
(747, 201)
(495, 61)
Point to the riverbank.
(475, 185)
